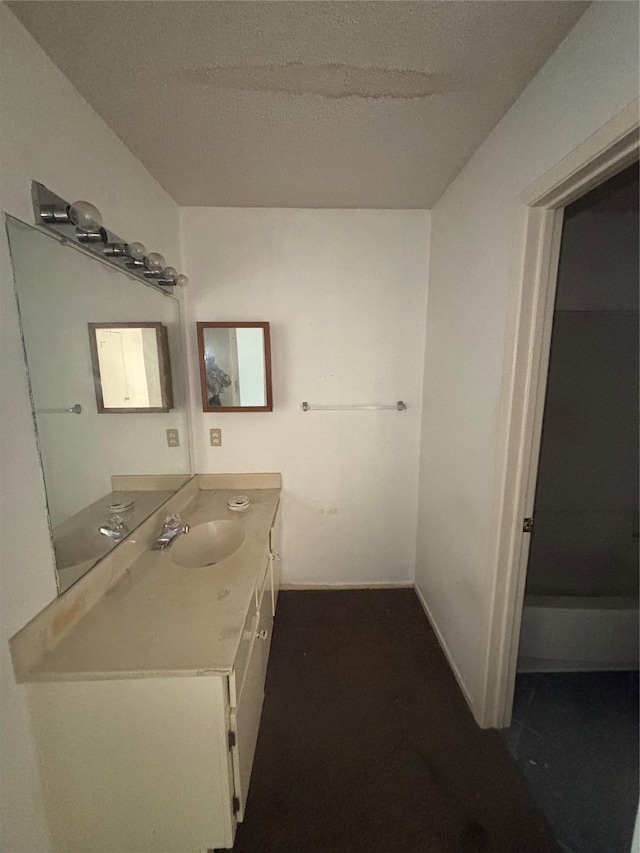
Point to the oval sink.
(208, 543)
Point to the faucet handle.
(172, 522)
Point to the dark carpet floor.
(367, 746)
(575, 737)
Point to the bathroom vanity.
(146, 710)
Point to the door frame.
(534, 272)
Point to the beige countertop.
(161, 619)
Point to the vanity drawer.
(276, 564)
(242, 657)
(262, 577)
(245, 719)
(249, 632)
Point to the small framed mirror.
(131, 367)
(235, 367)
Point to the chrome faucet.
(116, 529)
(172, 527)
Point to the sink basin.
(207, 544)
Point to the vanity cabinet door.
(237, 676)
(139, 764)
(245, 719)
(249, 632)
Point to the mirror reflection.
(235, 367)
(102, 476)
(131, 367)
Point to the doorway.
(536, 251)
(582, 573)
(575, 718)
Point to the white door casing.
(534, 270)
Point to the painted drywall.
(47, 133)
(591, 77)
(345, 294)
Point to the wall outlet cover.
(173, 438)
(215, 437)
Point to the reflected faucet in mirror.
(116, 529)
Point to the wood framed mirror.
(131, 367)
(235, 367)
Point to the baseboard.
(447, 653)
(363, 585)
(531, 665)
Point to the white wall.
(345, 293)
(47, 133)
(590, 78)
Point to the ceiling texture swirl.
(300, 104)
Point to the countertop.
(162, 619)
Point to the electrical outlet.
(215, 437)
(173, 438)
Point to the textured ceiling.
(300, 104)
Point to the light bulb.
(85, 216)
(169, 274)
(136, 251)
(154, 262)
(182, 281)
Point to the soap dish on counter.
(121, 505)
(239, 503)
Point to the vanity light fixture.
(115, 250)
(85, 216)
(154, 263)
(81, 223)
(168, 276)
(136, 252)
(135, 255)
(99, 236)
(82, 214)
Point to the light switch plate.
(173, 438)
(215, 437)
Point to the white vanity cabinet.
(155, 763)
(245, 715)
(276, 562)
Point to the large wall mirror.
(103, 475)
(235, 367)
